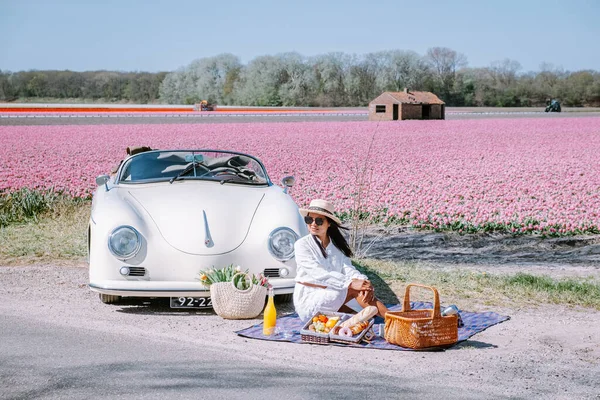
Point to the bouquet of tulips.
(233, 274)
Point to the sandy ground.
(547, 352)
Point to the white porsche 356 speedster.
(166, 215)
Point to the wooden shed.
(392, 106)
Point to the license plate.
(191, 302)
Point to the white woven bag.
(230, 302)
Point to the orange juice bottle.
(270, 315)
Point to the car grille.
(271, 272)
(137, 271)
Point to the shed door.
(426, 111)
(395, 108)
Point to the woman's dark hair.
(337, 239)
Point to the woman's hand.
(360, 285)
(366, 297)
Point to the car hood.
(201, 219)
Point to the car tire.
(109, 298)
(284, 298)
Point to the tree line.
(327, 80)
(109, 86)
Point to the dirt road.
(404, 243)
(549, 352)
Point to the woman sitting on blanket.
(326, 279)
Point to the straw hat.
(321, 207)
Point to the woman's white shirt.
(336, 271)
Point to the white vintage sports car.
(167, 214)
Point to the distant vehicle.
(553, 106)
(167, 214)
(204, 105)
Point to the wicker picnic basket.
(419, 329)
(230, 302)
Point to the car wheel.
(284, 298)
(109, 298)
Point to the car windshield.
(172, 165)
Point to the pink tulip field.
(514, 175)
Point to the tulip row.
(513, 175)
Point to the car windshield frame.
(124, 173)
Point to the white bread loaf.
(364, 315)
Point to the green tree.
(37, 85)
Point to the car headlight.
(124, 242)
(281, 243)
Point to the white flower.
(238, 268)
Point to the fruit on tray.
(322, 323)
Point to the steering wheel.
(225, 171)
(220, 173)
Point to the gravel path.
(548, 352)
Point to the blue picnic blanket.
(289, 326)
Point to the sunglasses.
(309, 220)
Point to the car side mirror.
(287, 183)
(102, 180)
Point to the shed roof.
(413, 97)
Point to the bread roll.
(364, 315)
(358, 328)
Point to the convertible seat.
(130, 151)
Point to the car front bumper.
(142, 288)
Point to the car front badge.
(208, 242)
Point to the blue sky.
(165, 35)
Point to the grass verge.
(59, 233)
(464, 287)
